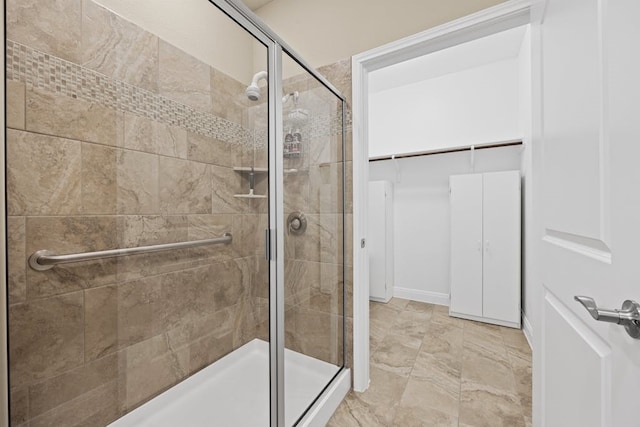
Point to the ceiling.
(255, 4)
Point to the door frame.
(498, 18)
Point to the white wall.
(326, 31)
(421, 212)
(473, 106)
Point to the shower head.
(253, 90)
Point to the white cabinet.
(380, 241)
(485, 247)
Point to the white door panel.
(572, 118)
(588, 371)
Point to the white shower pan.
(234, 391)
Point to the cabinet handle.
(486, 245)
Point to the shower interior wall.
(116, 138)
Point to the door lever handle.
(628, 316)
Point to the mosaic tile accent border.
(41, 70)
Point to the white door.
(588, 371)
(466, 244)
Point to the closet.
(485, 247)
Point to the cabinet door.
(466, 244)
(376, 241)
(501, 261)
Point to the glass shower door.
(313, 238)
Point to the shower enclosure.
(175, 219)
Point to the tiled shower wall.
(118, 139)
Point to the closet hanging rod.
(448, 150)
(44, 260)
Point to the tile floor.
(429, 369)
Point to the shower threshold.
(234, 391)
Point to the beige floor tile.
(396, 353)
(421, 307)
(429, 394)
(420, 416)
(430, 369)
(411, 323)
(486, 406)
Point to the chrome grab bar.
(44, 260)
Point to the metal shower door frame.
(274, 236)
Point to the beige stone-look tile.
(96, 407)
(55, 391)
(140, 310)
(208, 349)
(19, 405)
(297, 194)
(420, 307)
(184, 187)
(188, 295)
(52, 27)
(339, 74)
(313, 333)
(251, 236)
(487, 367)
(67, 235)
(397, 304)
(397, 354)
(17, 259)
(143, 134)
(325, 188)
(381, 317)
(99, 175)
(225, 183)
(355, 413)
(420, 415)
(384, 393)
(411, 323)
(443, 338)
(522, 372)
(482, 405)
(349, 188)
(298, 279)
(322, 241)
(137, 175)
(152, 366)
(231, 283)
(212, 227)
(442, 369)
(441, 317)
(206, 149)
(118, 48)
(325, 150)
(46, 338)
(183, 78)
(43, 175)
(228, 97)
(100, 321)
(528, 421)
(16, 104)
(60, 115)
(430, 394)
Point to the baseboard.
(527, 330)
(422, 296)
(507, 324)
